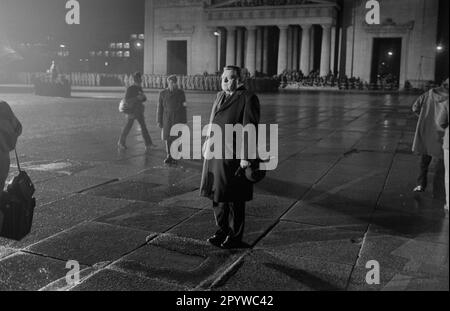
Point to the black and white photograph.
(219, 153)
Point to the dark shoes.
(225, 242)
(170, 161)
(217, 240)
(230, 243)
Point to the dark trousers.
(169, 142)
(139, 117)
(230, 218)
(438, 180)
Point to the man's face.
(171, 84)
(230, 81)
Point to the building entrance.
(177, 57)
(386, 60)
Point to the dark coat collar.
(229, 101)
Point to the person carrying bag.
(133, 106)
(17, 203)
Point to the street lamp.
(440, 47)
(390, 53)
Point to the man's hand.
(245, 164)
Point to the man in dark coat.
(229, 192)
(171, 111)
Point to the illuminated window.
(119, 54)
(126, 54)
(92, 53)
(99, 53)
(134, 36)
(141, 36)
(119, 45)
(126, 45)
(107, 53)
(112, 45)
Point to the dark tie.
(225, 98)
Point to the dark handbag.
(18, 206)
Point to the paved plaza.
(340, 197)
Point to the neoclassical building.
(270, 36)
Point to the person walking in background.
(10, 130)
(236, 106)
(428, 137)
(136, 98)
(171, 110)
(443, 121)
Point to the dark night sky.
(33, 20)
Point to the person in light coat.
(443, 121)
(429, 136)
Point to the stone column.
(211, 64)
(240, 47)
(219, 49)
(295, 49)
(312, 53)
(333, 49)
(289, 48)
(250, 57)
(266, 50)
(259, 41)
(326, 51)
(306, 48)
(231, 46)
(282, 49)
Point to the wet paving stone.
(35, 272)
(141, 191)
(72, 184)
(177, 260)
(36, 176)
(391, 280)
(406, 256)
(189, 200)
(111, 171)
(6, 251)
(325, 215)
(64, 214)
(326, 243)
(268, 206)
(91, 243)
(202, 225)
(416, 225)
(148, 216)
(266, 271)
(167, 176)
(110, 280)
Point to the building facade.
(271, 36)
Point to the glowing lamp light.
(440, 48)
(216, 33)
(390, 53)
(138, 45)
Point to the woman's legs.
(141, 120)
(126, 130)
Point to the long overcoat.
(219, 182)
(429, 136)
(171, 110)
